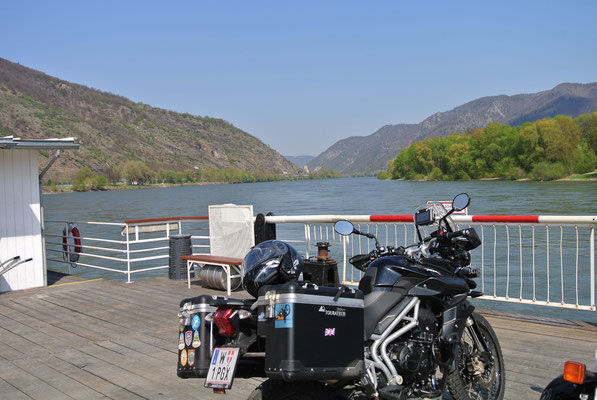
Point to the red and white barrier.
(470, 219)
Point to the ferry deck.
(95, 339)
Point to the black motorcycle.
(576, 383)
(408, 332)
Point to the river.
(335, 196)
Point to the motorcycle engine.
(412, 355)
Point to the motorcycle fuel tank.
(404, 276)
(391, 272)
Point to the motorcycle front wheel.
(479, 374)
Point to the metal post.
(576, 281)
(43, 237)
(307, 239)
(534, 287)
(227, 269)
(520, 247)
(128, 255)
(344, 242)
(562, 261)
(592, 255)
(508, 263)
(547, 244)
(494, 261)
(65, 236)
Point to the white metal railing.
(120, 247)
(547, 260)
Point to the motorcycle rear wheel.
(488, 384)
(273, 389)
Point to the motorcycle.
(576, 383)
(408, 332)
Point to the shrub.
(99, 182)
(586, 161)
(546, 171)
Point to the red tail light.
(574, 372)
(223, 317)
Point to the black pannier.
(196, 337)
(311, 332)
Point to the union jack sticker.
(330, 332)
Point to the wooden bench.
(224, 262)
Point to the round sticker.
(188, 337)
(196, 341)
(191, 358)
(181, 342)
(196, 322)
(183, 358)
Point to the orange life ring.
(73, 232)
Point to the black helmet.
(269, 263)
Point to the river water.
(336, 196)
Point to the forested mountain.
(113, 129)
(370, 154)
(550, 148)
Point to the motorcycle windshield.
(439, 211)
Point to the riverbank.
(124, 186)
(587, 177)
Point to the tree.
(189, 175)
(588, 127)
(136, 172)
(99, 182)
(423, 160)
(83, 178)
(586, 160)
(84, 173)
(559, 138)
(532, 152)
(113, 174)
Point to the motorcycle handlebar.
(451, 235)
(359, 258)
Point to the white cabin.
(20, 211)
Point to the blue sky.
(302, 75)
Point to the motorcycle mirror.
(344, 227)
(460, 202)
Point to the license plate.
(222, 368)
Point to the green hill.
(113, 129)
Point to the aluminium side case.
(311, 332)
(196, 337)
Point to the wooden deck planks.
(57, 379)
(26, 382)
(10, 392)
(104, 339)
(87, 378)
